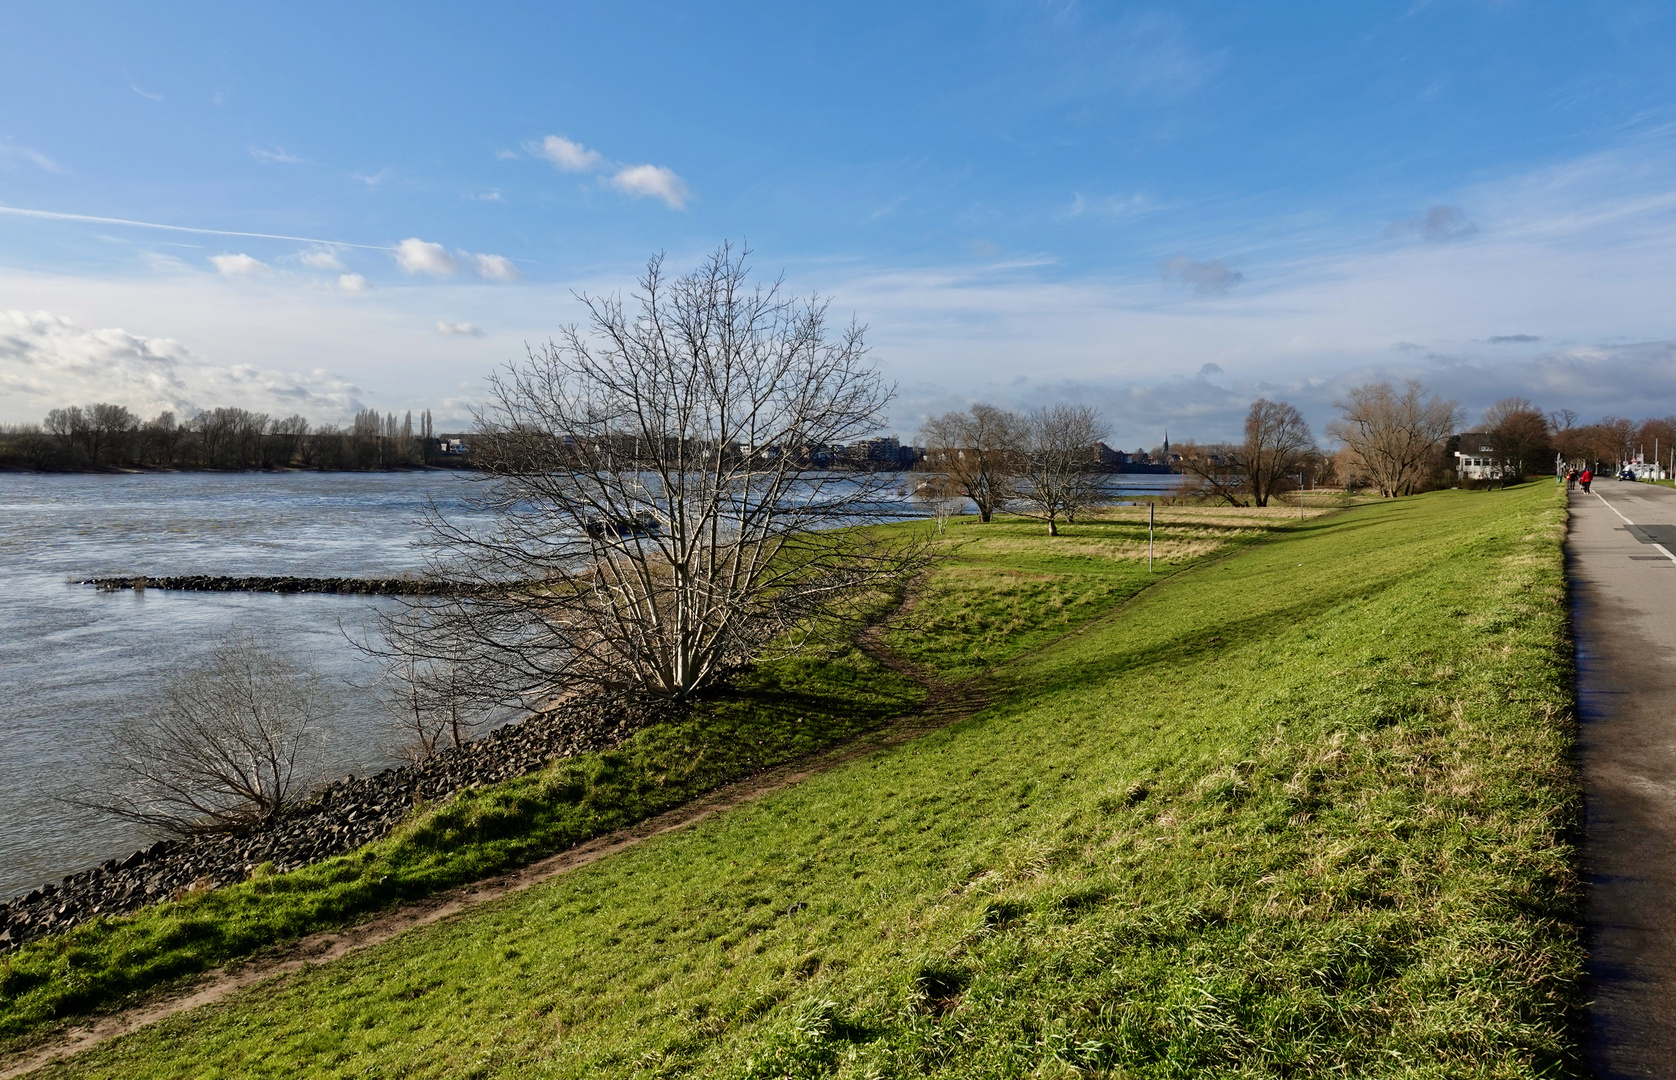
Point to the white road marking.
(1662, 549)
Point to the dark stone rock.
(344, 815)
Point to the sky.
(1162, 210)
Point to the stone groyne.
(345, 585)
(342, 816)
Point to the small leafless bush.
(230, 744)
(431, 704)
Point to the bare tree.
(979, 451)
(649, 525)
(1519, 432)
(1278, 446)
(1394, 438)
(230, 745)
(1056, 455)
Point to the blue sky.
(1166, 210)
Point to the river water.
(74, 660)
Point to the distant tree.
(980, 451)
(1519, 432)
(1655, 439)
(1394, 439)
(1278, 446)
(1056, 459)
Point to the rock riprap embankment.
(343, 585)
(342, 816)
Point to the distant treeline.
(111, 437)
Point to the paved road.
(1622, 555)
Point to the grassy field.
(779, 713)
(1305, 809)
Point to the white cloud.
(458, 329)
(492, 195)
(353, 283)
(371, 180)
(276, 156)
(491, 267)
(47, 361)
(568, 156)
(655, 181)
(321, 259)
(240, 265)
(417, 256)
(144, 94)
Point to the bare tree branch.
(652, 522)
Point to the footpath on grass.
(1304, 810)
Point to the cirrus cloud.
(458, 329)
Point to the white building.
(1475, 457)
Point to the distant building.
(1475, 457)
(886, 452)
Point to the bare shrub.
(432, 703)
(940, 495)
(230, 744)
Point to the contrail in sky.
(53, 215)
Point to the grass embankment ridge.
(783, 712)
(1303, 811)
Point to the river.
(75, 660)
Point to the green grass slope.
(780, 712)
(1301, 811)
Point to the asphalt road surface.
(1621, 550)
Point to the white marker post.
(1151, 516)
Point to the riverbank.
(1305, 808)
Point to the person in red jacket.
(1584, 480)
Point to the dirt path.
(945, 703)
